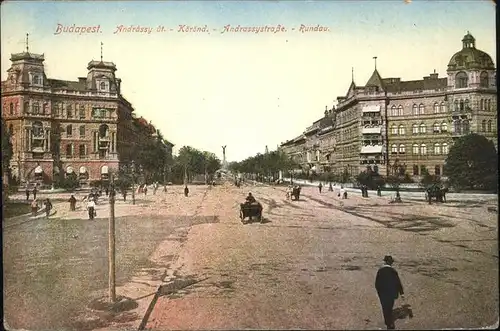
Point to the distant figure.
(389, 287)
(330, 187)
(145, 189)
(34, 192)
(250, 198)
(107, 191)
(48, 207)
(91, 209)
(27, 192)
(72, 203)
(165, 188)
(320, 187)
(34, 207)
(186, 191)
(379, 191)
(124, 193)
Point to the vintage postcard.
(182, 165)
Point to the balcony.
(372, 130)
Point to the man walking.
(72, 203)
(27, 192)
(320, 186)
(91, 209)
(389, 287)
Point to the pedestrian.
(320, 186)
(330, 187)
(107, 191)
(34, 192)
(124, 193)
(186, 191)
(27, 192)
(91, 209)
(145, 189)
(379, 191)
(48, 207)
(389, 287)
(165, 188)
(34, 207)
(366, 191)
(72, 203)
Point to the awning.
(38, 170)
(375, 130)
(104, 170)
(371, 149)
(371, 109)
(83, 170)
(69, 170)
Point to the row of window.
(462, 80)
(82, 151)
(420, 149)
(486, 126)
(37, 109)
(420, 170)
(485, 104)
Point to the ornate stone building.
(393, 126)
(65, 126)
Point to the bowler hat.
(388, 259)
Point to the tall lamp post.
(133, 182)
(111, 247)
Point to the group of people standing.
(36, 204)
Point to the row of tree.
(268, 164)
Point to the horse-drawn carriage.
(293, 193)
(437, 192)
(250, 210)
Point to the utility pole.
(133, 182)
(111, 248)
(386, 135)
(185, 174)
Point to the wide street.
(310, 265)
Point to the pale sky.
(245, 90)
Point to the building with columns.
(394, 126)
(64, 127)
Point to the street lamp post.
(111, 248)
(133, 182)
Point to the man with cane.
(389, 287)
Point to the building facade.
(393, 126)
(63, 127)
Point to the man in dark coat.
(388, 287)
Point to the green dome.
(470, 57)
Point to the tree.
(472, 163)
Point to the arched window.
(36, 80)
(481, 103)
(103, 130)
(461, 80)
(36, 108)
(445, 148)
(394, 149)
(483, 126)
(436, 127)
(421, 109)
(11, 109)
(488, 102)
(436, 108)
(82, 131)
(456, 126)
(401, 129)
(69, 150)
(466, 104)
(400, 110)
(415, 110)
(437, 148)
(465, 127)
(422, 128)
(461, 105)
(423, 149)
(456, 108)
(394, 129)
(37, 129)
(393, 111)
(401, 148)
(483, 80)
(69, 130)
(102, 86)
(443, 107)
(415, 149)
(414, 129)
(444, 127)
(69, 111)
(45, 109)
(489, 126)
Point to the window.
(11, 109)
(437, 170)
(400, 110)
(443, 107)
(415, 110)
(483, 126)
(423, 169)
(414, 128)
(69, 110)
(457, 127)
(436, 108)
(69, 130)
(36, 80)
(37, 129)
(69, 150)
(444, 127)
(82, 114)
(445, 148)
(45, 109)
(394, 111)
(36, 108)
(422, 128)
(394, 129)
(421, 109)
(489, 126)
(488, 103)
(437, 149)
(401, 130)
(423, 149)
(375, 169)
(461, 80)
(415, 149)
(436, 127)
(394, 149)
(481, 103)
(102, 86)
(465, 127)
(401, 148)
(81, 151)
(26, 107)
(82, 131)
(415, 170)
(456, 108)
(483, 79)
(467, 104)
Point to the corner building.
(65, 126)
(394, 126)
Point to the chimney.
(82, 79)
(434, 75)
